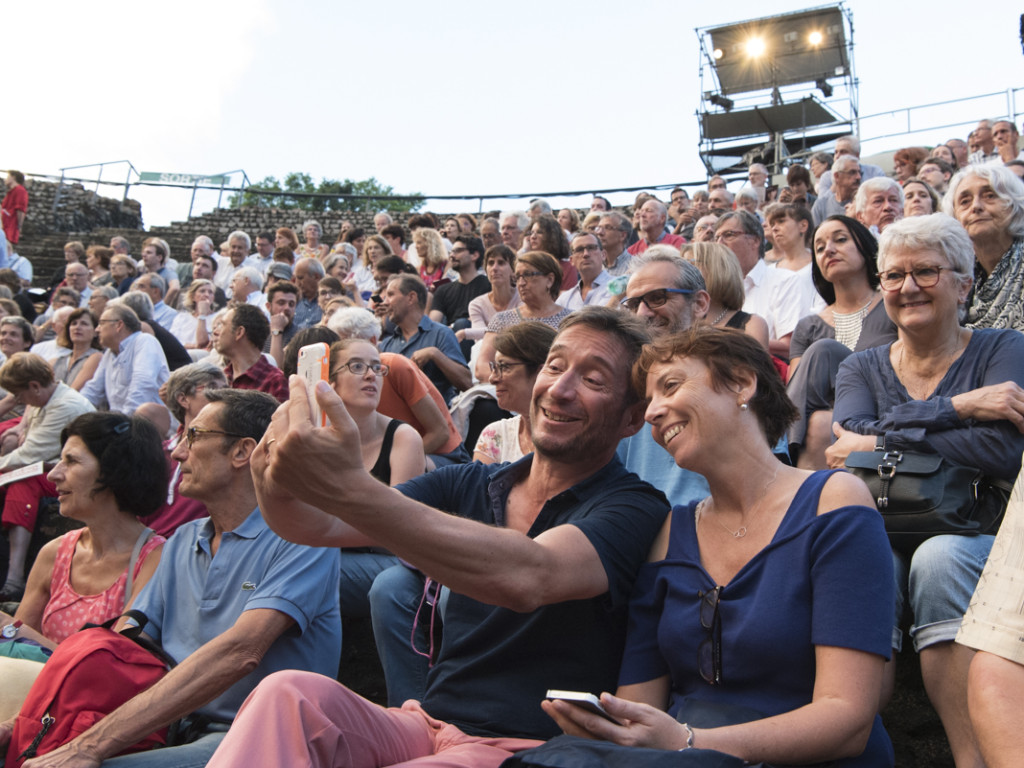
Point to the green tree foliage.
(270, 193)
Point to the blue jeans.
(395, 596)
(194, 755)
(939, 584)
(358, 570)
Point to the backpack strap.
(136, 551)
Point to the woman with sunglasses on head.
(520, 351)
(943, 389)
(537, 277)
(392, 452)
(761, 622)
(112, 471)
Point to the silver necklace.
(721, 314)
(849, 325)
(740, 532)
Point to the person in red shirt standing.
(14, 207)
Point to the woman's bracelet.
(689, 737)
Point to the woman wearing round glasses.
(392, 452)
(760, 625)
(537, 277)
(520, 351)
(939, 388)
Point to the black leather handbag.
(921, 495)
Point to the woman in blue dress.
(761, 624)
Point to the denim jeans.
(938, 584)
(194, 755)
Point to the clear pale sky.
(445, 97)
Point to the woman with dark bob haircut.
(112, 471)
(759, 625)
(845, 274)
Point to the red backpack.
(91, 674)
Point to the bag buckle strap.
(886, 472)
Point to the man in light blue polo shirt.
(230, 601)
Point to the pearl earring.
(743, 407)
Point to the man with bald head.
(720, 201)
(986, 151)
(653, 215)
(1007, 141)
(847, 174)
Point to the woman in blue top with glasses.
(760, 626)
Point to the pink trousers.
(301, 718)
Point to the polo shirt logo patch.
(248, 586)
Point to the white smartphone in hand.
(587, 701)
(314, 365)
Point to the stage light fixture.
(815, 38)
(755, 47)
(823, 86)
(718, 53)
(721, 101)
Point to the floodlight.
(721, 101)
(755, 47)
(718, 53)
(815, 38)
(823, 86)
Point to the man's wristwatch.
(276, 332)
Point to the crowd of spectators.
(497, 371)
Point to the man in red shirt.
(243, 333)
(653, 216)
(14, 206)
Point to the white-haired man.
(239, 247)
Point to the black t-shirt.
(495, 664)
(453, 298)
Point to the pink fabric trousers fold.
(304, 719)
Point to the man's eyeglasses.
(581, 249)
(358, 368)
(502, 368)
(730, 235)
(924, 277)
(192, 432)
(653, 299)
(709, 653)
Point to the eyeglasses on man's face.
(653, 299)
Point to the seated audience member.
(15, 336)
(244, 332)
(83, 349)
(499, 265)
(906, 161)
(800, 188)
(490, 234)
(720, 201)
(97, 259)
(50, 406)
(307, 276)
(133, 366)
(936, 172)
(99, 298)
(407, 394)
(392, 452)
(155, 255)
(10, 278)
(989, 202)
(593, 287)
(982, 145)
(653, 216)
(62, 297)
(945, 153)
(450, 304)
(919, 199)
(791, 227)
(175, 354)
(940, 388)
(50, 349)
(778, 296)
(878, 203)
(845, 273)
(993, 627)
(285, 615)
(747, 200)
(519, 352)
(74, 253)
(285, 237)
(848, 173)
(819, 163)
(668, 294)
(433, 259)
(723, 282)
(153, 286)
(330, 288)
(545, 235)
(704, 229)
(264, 255)
(815, 542)
(124, 272)
(239, 248)
(430, 345)
(395, 235)
(538, 277)
(318, 334)
(613, 228)
(507, 589)
(185, 397)
(193, 324)
(374, 249)
(312, 248)
(282, 298)
(247, 287)
(848, 146)
(1007, 141)
(111, 472)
